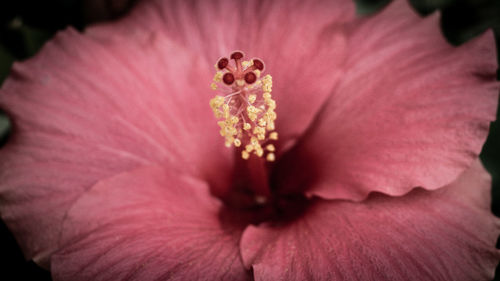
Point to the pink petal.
(148, 224)
(411, 110)
(86, 109)
(448, 234)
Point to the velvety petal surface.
(149, 224)
(302, 43)
(410, 111)
(446, 234)
(87, 108)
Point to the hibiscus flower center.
(245, 109)
(245, 106)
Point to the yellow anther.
(262, 122)
(216, 102)
(270, 126)
(219, 100)
(234, 119)
(259, 130)
(270, 147)
(252, 98)
(267, 83)
(271, 115)
(247, 126)
(252, 109)
(266, 95)
(237, 142)
(249, 148)
(271, 104)
(218, 76)
(259, 151)
(273, 136)
(252, 116)
(246, 63)
(270, 157)
(257, 72)
(213, 86)
(245, 155)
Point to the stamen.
(247, 109)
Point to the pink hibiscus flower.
(116, 169)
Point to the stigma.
(245, 106)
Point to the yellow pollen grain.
(246, 63)
(273, 136)
(270, 147)
(245, 155)
(271, 104)
(267, 83)
(252, 116)
(218, 76)
(249, 148)
(252, 98)
(270, 126)
(270, 157)
(252, 109)
(237, 142)
(262, 122)
(213, 86)
(247, 126)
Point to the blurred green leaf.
(490, 156)
(6, 60)
(461, 23)
(368, 7)
(22, 40)
(426, 7)
(5, 127)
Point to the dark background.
(26, 24)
